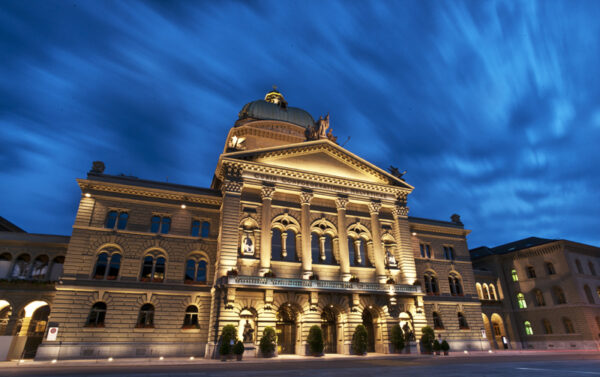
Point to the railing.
(257, 281)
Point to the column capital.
(306, 197)
(266, 192)
(400, 211)
(232, 186)
(374, 207)
(341, 202)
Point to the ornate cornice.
(232, 186)
(110, 187)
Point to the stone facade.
(548, 294)
(295, 231)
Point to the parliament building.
(294, 231)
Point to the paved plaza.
(514, 364)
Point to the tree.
(427, 339)
(315, 340)
(360, 340)
(267, 342)
(397, 338)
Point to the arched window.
(528, 329)
(21, 267)
(205, 229)
(153, 269)
(359, 238)
(195, 271)
(588, 293)
(479, 291)
(550, 268)
(322, 249)
(190, 321)
(521, 301)
(455, 285)
(146, 316)
(578, 265)
(493, 294)
(56, 268)
(559, 296)
(569, 329)
(276, 244)
(40, 267)
(531, 272)
(97, 315)
(547, 326)
(592, 269)
(437, 321)
(462, 322)
(486, 292)
(539, 298)
(514, 275)
(107, 266)
(431, 284)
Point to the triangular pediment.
(321, 157)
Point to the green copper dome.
(274, 107)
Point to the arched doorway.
(488, 331)
(35, 331)
(499, 332)
(286, 330)
(5, 312)
(367, 318)
(329, 328)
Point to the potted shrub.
(437, 347)
(315, 340)
(232, 272)
(427, 339)
(390, 281)
(354, 279)
(267, 342)
(397, 338)
(445, 347)
(228, 338)
(313, 277)
(359, 340)
(269, 274)
(238, 350)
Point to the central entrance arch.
(329, 328)
(367, 319)
(286, 330)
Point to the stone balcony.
(318, 285)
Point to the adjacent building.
(539, 294)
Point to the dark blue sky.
(492, 107)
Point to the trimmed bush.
(267, 342)
(228, 334)
(238, 348)
(427, 339)
(445, 347)
(360, 340)
(397, 338)
(437, 346)
(315, 340)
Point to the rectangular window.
(116, 218)
(425, 251)
(448, 253)
(195, 228)
(550, 268)
(531, 272)
(166, 225)
(162, 224)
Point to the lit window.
(547, 326)
(569, 329)
(195, 228)
(97, 314)
(493, 295)
(550, 269)
(486, 292)
(528, 329)
(521, 301)
(190, 321)
(146, 316)
(514, 275)
(153, 269)
(479, 291)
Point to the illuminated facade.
(294, 231)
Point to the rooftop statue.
(396, 173)
(320, 130)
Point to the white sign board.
(52, 333)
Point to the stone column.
(343, 238)
(305, 198)
(374, 208)
(265, 229)
(229, 228)
(405, 257)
